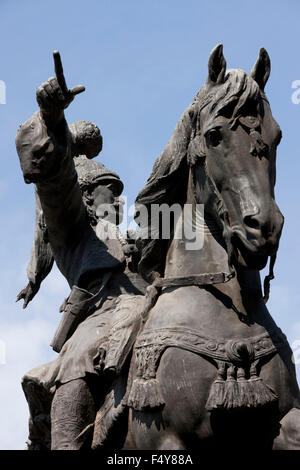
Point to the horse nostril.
(266, 231)
(251, 222)
(254, 222)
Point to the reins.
(268, 278)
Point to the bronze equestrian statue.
(209, 368)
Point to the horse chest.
(197, 308)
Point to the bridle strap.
(193, 280)
(268, 279)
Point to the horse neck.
(208, 255)
(211, 257)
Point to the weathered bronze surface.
(197, 362)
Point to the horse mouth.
(253, 253)
(32, 177)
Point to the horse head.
(232, 152)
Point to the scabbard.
(78, 308)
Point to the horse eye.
(213, 138)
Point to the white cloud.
(26, 335)
(26, 347)
(3, 188)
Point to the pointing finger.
(59, 72)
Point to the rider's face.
(107, 204)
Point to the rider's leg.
(73, 409)
(289, 437)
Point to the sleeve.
(41, 260)
(46, 160)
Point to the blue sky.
(142, 63)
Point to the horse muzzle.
(258, 238)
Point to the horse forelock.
(236, 92)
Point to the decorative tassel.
(245, 394)
(262, 393)
(244, 389)
(240, 393)
(145, 394)
(258, 146)
(231, 394)
(216, 395)
(217, 390)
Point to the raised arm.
(44, 148)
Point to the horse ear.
(261, 69)
(216, 66)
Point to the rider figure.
(104, 288)
(86, 142)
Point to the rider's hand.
(53, 96)
(28, 293)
